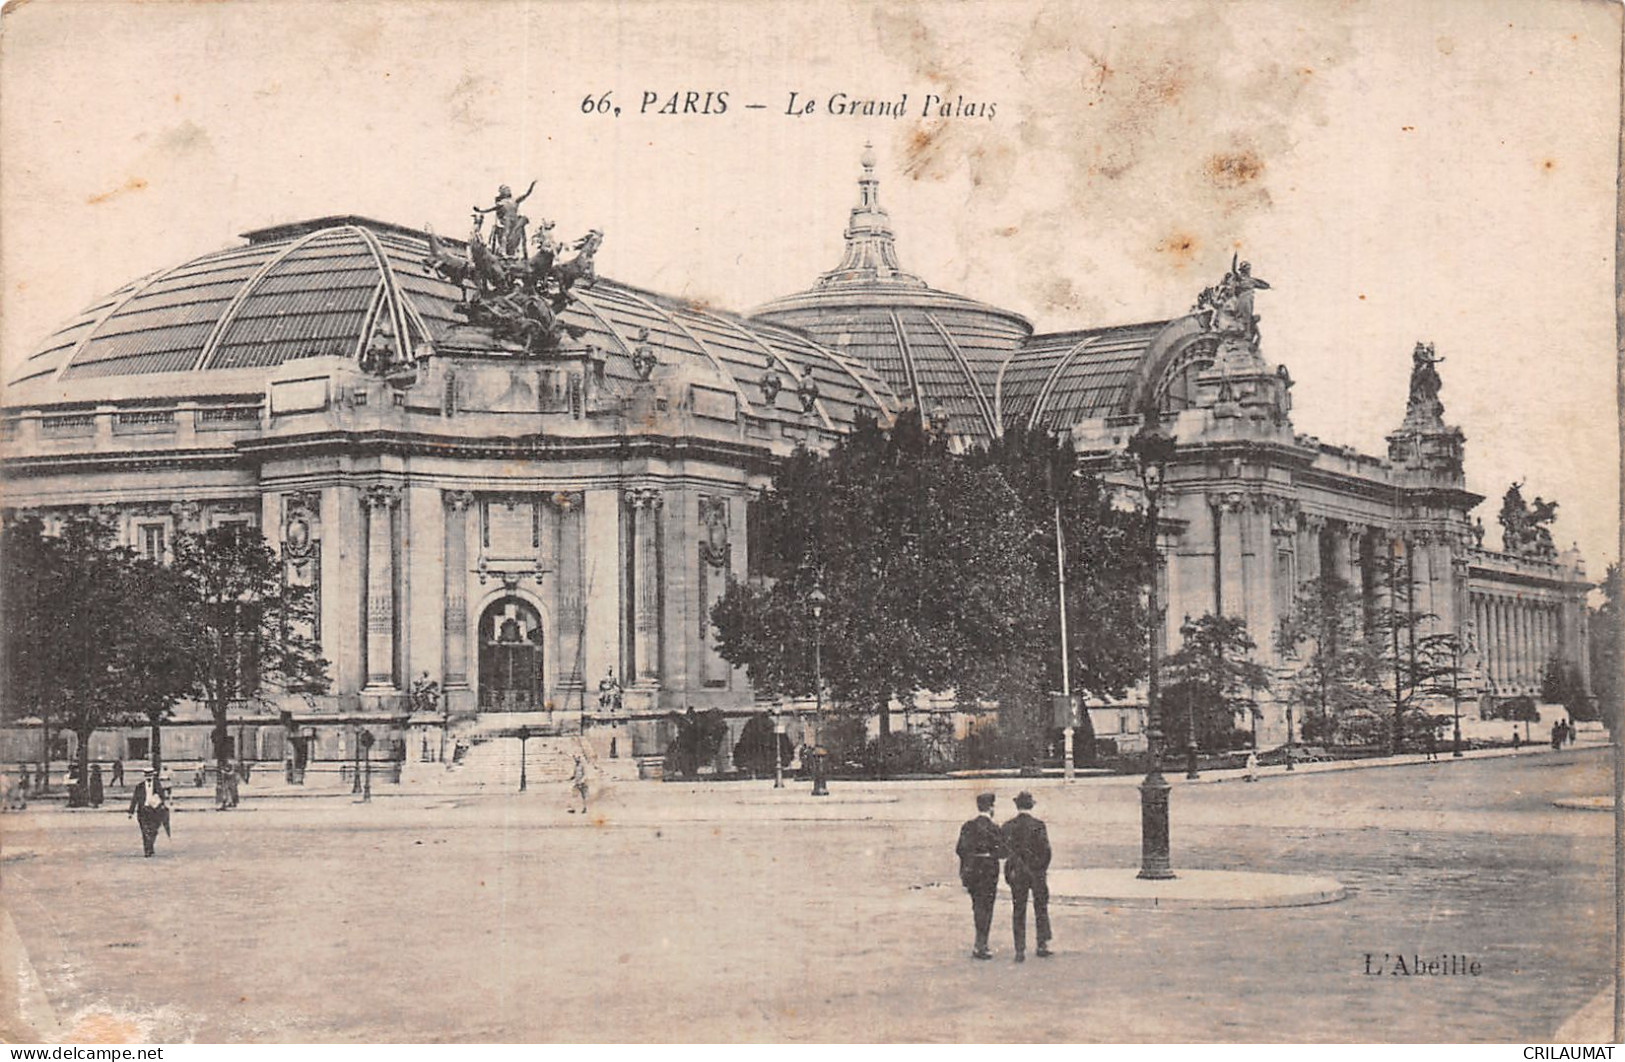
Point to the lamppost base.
(1155, 864)
(820, 784)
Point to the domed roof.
(337, 285)
(938, 351)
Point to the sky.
(1397, 171)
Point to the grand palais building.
(515, 479)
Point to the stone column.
(380, 502)
(1520, 643)
(571, 611)
(457, 505)
(1495, 643)
(1309, 531)
(646, 506)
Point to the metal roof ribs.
(970, 377)
(744, 399)
(229, 314)
(908, 363)
(773, 355)
(392, 293)
(1054, 378)
(113, 307)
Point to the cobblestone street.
(736, 912)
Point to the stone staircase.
(492, 764)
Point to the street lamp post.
(524, 738)
(1455, 695)
(1190, 737)
(365, 742)
(778, 748)
(816, 600)
(355, 774)
(1288, 737)
(1151, 452)
(1070, 757)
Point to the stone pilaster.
(645, 511)
(457, 505)
(571, 600)
(601, 558)
(381, 502)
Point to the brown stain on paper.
(1234, 169)
(134, 184)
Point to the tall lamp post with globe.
(816, 601)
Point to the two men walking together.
(1023, 845)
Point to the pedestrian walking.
(578, 783)
(1430, 743)
(117, 777)
(981, 846)
(1557, 735)
(96, 785)
(22, 775)
(1251, 773)
(149, 803)
(1026, 870)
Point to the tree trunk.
(156, 744)
(885, 726)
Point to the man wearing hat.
(149, 803)
(1026, 868)
(980, 848)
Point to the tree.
(699, 737)
(1336, 677)
(1414, 663)
(1560, 683)
(758, 740)
(1213, 678)
(926, 581)
(244, 627)
(87, 642)
(1107, 564)
(1607, 666)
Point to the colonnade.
(1517, 635)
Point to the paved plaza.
(737, 912)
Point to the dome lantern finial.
(871, 252)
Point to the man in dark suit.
(1026, 868)
(149, 803)
(980, 848)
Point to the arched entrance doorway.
(510, 657)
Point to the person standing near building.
(96, 791)
(1026, 869)
(981, 846)
(149, 803)
(118, 773)
(578, 783)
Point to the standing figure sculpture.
(1425, 383)
(508, 233)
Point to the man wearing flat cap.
(980, 848)
(1026, 868)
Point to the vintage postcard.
(791, 522)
